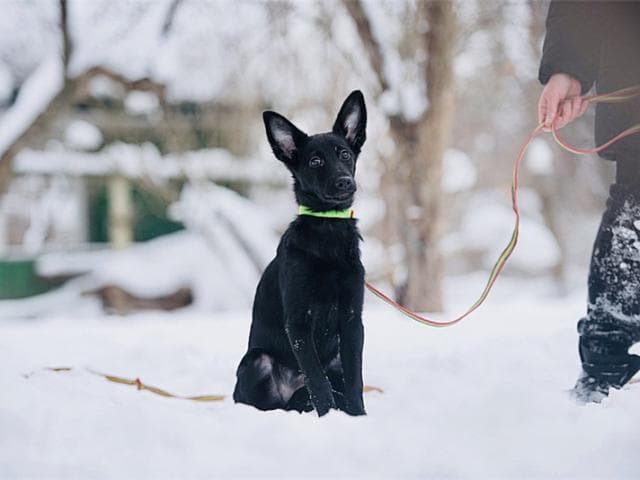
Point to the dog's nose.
(344, 184)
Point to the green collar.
(348, 213)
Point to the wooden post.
(120, 212)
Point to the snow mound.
(221, 257)
(82, 135)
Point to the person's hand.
(560, 102)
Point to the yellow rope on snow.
(136, 382)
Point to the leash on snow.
(618, 96)
(136, 382)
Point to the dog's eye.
(316, 162)
(344, 155)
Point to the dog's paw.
(322, 410)
(323, 406)
(356, 413)
(355, 407)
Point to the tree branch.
(141, 84)
(439, 45)
(66, 37)
(371, 44)
(171, 15)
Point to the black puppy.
(305, 344)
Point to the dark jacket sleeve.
(572, 43)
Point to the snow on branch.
(34, 99)
(41, 98)
(146, 162)
(381, 30)
(141, 84)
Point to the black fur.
(305, 344)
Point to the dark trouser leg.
(612, 323)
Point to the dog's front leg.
(301, 338)
(351, 344)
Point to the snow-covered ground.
(486, 399)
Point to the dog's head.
(323, 165)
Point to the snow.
(487, 225)
(145, 161)
(34, 97)
(29, 32)
(226, 218)
(141, 103)
(51, 209)
(486, 399)
(389, 102)
(475, 57)
(524, 59)
(229, 242)
(406, 95)
(220, 265)
(82, 135)
(228, 51)
(539, 157)
(125, 36)
(459, 173)
(103, 87)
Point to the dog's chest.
(334, 297)
(328, 314)
(327, 244)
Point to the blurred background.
(135, 173)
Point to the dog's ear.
(284, 137)
(351, 122)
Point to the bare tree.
(411, 183)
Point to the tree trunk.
(425, 264)
(411, 182)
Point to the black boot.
(612, 324)
(606, 362)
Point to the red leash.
(623, 95)
(618, 96)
